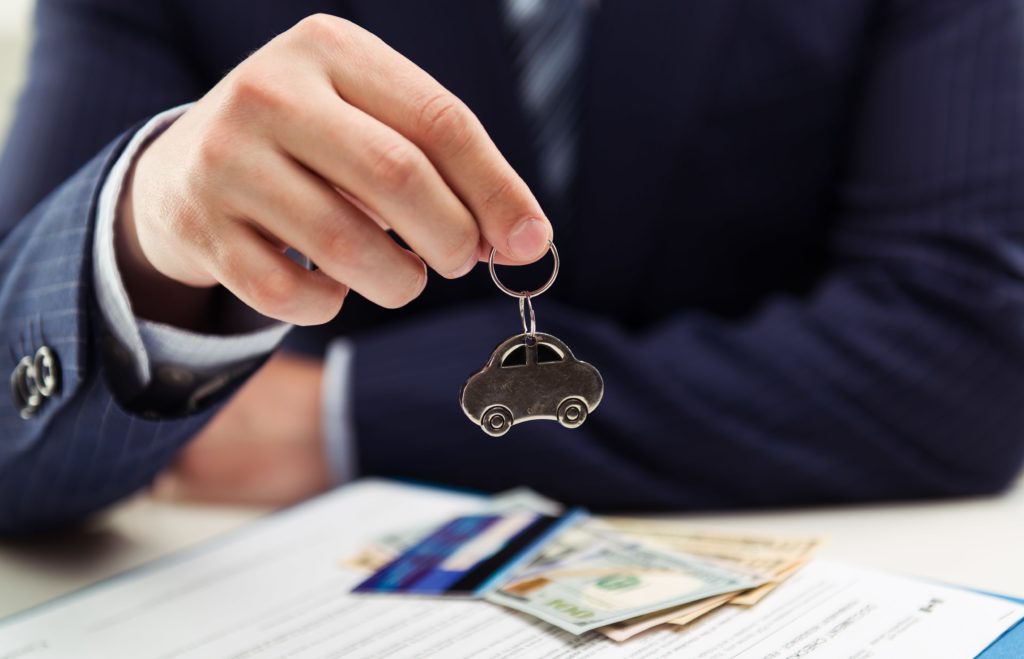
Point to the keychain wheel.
(496, 420)
(572, 412)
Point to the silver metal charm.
(530, 376)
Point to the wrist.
(153, 295)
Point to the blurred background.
(15, 35)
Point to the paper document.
(280, 588)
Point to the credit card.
(469, 556)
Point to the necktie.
(547, 39)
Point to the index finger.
(372, 76)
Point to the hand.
(319, 141)
(265, 447)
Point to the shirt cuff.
(148, 342)
(336, 405)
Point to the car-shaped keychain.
(530, 376)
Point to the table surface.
(976, 543)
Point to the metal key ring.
(525, 303)
(524, 294)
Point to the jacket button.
(24, 390)
(46, 368)
(34, 380)
(175, 376)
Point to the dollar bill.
(777, 557)
(627, 629)
(755, 595)
(605, 581)
(684, 537)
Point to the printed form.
(278, 588)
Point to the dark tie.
(547, 44)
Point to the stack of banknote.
(758, 563)
(622, 576)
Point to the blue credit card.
(468, 556)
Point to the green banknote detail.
(609, 582)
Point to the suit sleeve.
(901, 376)
(98, 67)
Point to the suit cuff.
(338, 423)
(149, 345)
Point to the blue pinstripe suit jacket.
(795, 250)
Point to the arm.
(901, 376)
(90, 80)
(198, 214)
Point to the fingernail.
(529, 239)
(466, 267)
(426, 276)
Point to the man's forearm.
(80, 450)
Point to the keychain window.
(514, 357)
(547, 353)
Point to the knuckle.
(256, 90)
(446, 123)
(339, 245)
(324, 23)
(275, 291)
(182, 220)
(187, 224)
(394, 165)
(215, 151)
(318, 26)
(499, 194)
(327, 38)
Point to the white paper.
(277, 589)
